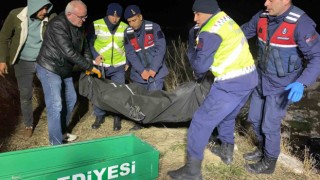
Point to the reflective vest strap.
(148, 38)
(133, 40)
(294, 15)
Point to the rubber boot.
(116, 123)
(97, 123)
(225, 152)
(255, 155)
(265, 166)
(190, 171)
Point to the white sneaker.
(69, 137)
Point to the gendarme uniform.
(222, 48)
(283, 42)
(145, 50)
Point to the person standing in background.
(20, 42)
(145, 47)
(106, 42)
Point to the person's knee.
(271, 130)
(56, 105)
(25, 94)
(72, 99)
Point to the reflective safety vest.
(110, 46)
(232, 58)
(148, 42)
(278, 54)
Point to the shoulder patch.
(311, 39)
(200, 44)
(160, 35)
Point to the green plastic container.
(120, 157)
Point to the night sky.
(174, 16)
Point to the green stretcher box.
(119, 157)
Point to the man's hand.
(296, 91)
(94, 71)
(152, 73)
(3, 69)
(145, 75)
(98, 60)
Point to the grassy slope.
(171, 143)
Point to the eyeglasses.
(83, 18)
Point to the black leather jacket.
(63, 47)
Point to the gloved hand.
(296, 91)
(94, 71)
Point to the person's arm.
(91, 37)
(63, 42)
(191, 53)
(250, 28)
(308, 41)
(159, 47)
(206, 48)
(6, 34)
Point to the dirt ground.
(169, 140)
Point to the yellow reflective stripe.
(106, 48)
(119, 34)
(120, 51)
(102, 25)
(109, 46)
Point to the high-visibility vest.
(110, 46)
(233, 57)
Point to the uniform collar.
(281, 17)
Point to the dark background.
(174, 16)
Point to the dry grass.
(171, 142)
(309, 163)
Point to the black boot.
(97, 123)
(224, 151)
(116, 123)
(265, 166)
(255, 155)
(190, 171)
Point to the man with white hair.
(62, 48)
